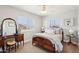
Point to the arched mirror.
(8, 27)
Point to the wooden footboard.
(43, 43)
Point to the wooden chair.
(11, 44)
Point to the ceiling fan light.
(44, 9)
(43, 12)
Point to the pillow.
(57, 31)
(49, 31)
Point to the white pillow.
(49, 31)
(57, 30)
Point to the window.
(55, 22)
(24, 22)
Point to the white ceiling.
(52, 9)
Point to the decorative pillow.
(49, 31)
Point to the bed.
(48, 41)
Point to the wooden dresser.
(19, 38)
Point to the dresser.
(19, 38)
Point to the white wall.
(66, 15)
(72, 14)
(78, 24)
(7, 11)
(11, 12)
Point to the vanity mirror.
(8, 27)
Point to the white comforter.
(54, 38)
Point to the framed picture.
(69, 22)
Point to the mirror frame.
(3, 23)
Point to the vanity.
(9, 35)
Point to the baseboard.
(27, 41)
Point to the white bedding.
(54, 38)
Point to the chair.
(10, 43)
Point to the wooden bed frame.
(44, 43)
